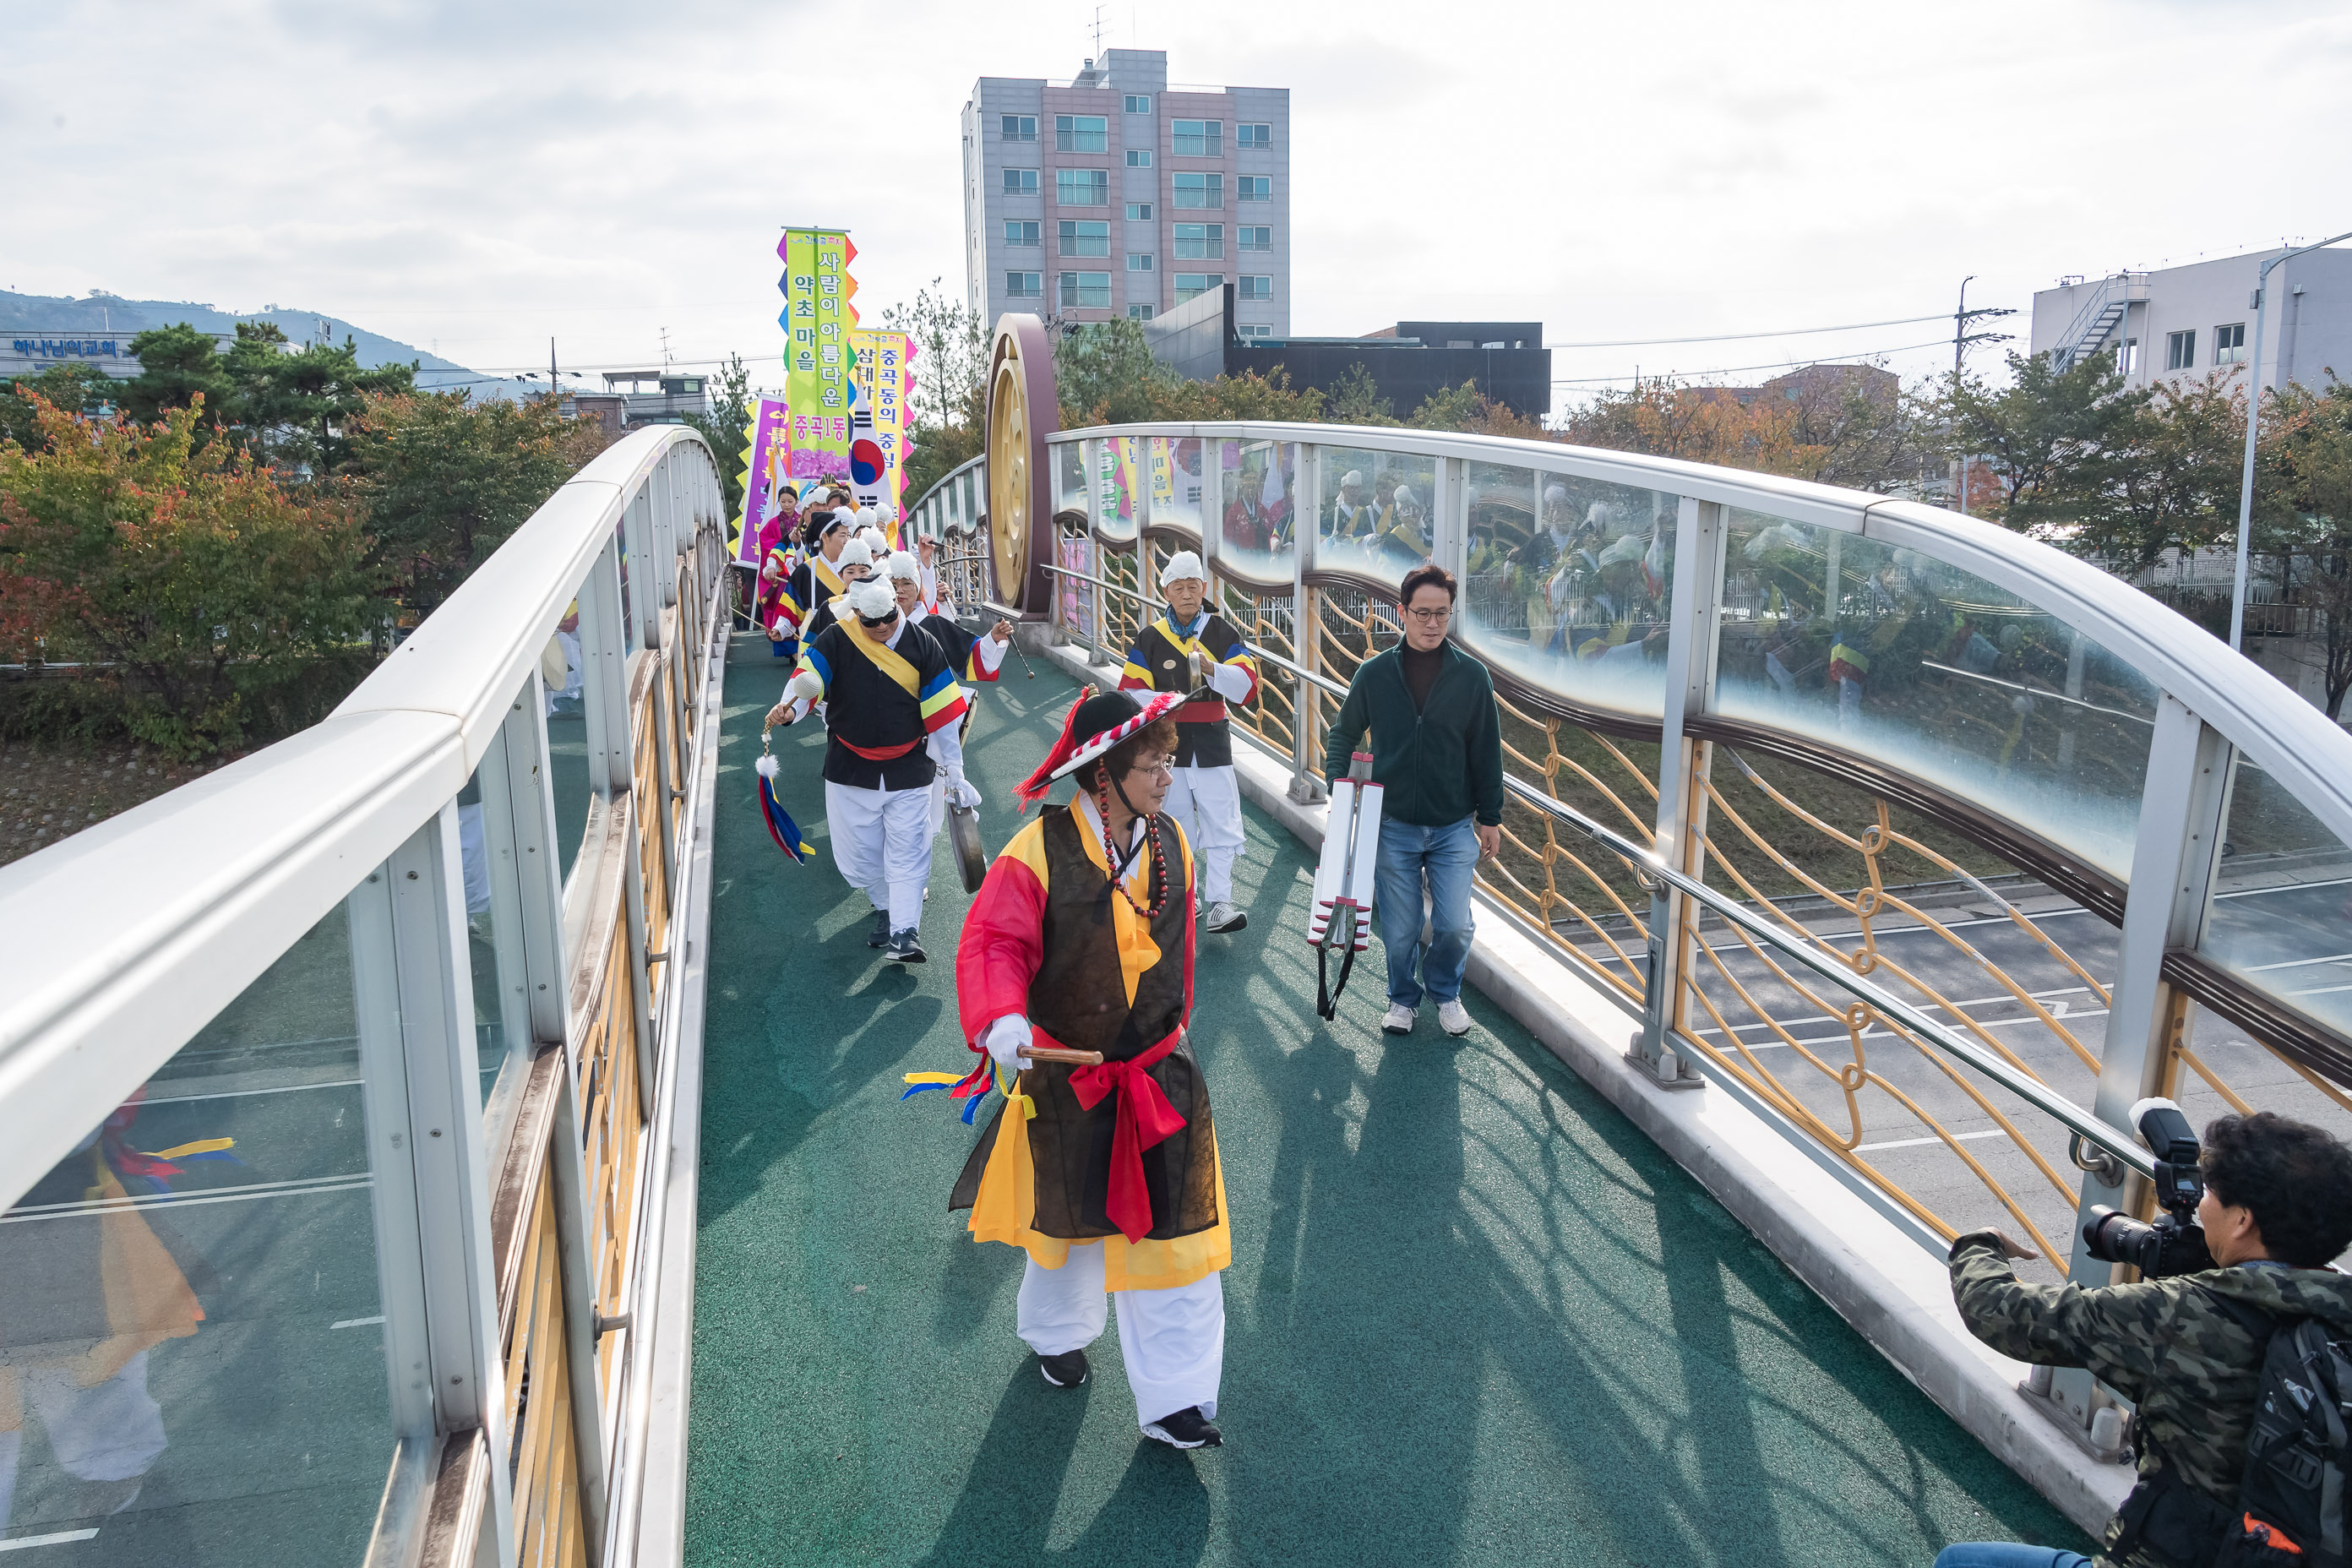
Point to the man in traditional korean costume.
(1187, 648)
(973, 658)
(891, 711)
(1081, 939)
(815, 579)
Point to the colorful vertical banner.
(767, 469)
(877, 455)
(817, 319)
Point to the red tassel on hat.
(1035, 787)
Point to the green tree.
(2175, 476)
(2055, 440)
(1449, 408)
(297, 408)
(177, 366)
(446, 480)
(69, 388)
(1104, 375)
(208, 594)
(950, 365)
(1355, 399)
(2303, 516)
(727, 426)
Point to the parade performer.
(852, 565)
(1206, 796)
(814, 580)
(973, 658)
(780, 551)
(891, 711)
(1105, 1175)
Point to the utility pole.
(553, 390)
(1961, 339)
(2260, 302)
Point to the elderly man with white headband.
(854, 565)
(892, 708)
(1189, 648)
(973, 658)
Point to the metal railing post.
(604, 645)
(1690, 687)
(1306, 727)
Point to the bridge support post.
(1690, 689)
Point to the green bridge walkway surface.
(1473, 1315)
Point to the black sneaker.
(878, 935)
(1187, 1429)
(906, 947)
(1064, 1371)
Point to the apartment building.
(2187, 322)
(1115, 193)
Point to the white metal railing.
(438, 1059)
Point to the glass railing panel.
(1075, 600)
(1070, 477)
(621, 552)
(1119, 496)
(192, 1364)
(1568, 584)
(1178, 484)
(1376, 520)
(567, 737)
(1905, 659)
(1259, 488)
(2281, 917)
(491, 856)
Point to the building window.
(1138, 212)
(1020, 233)
(1139, 103)
(1199, 138)
(1255, 236)
(1198, 191)
(1189, 285)
(2230, 345)
(1140, 313)
(1081, 238)
(1020, 128)
(1024, 285)
(1256, 135)
(1019, 181)
(1085, 290)
(1082, 187)
(1138, 157)
(1257, 188)
(1200, 242)
(1254, 330)
(1081, 133)
(2179, 350)
(1138, 261)
(1255, 288)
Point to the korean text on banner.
(767, 470)
(817, 319)
(882, 373)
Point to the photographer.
(2186, 1349)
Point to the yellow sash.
(825, 574)
(885, 659)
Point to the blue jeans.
(2007, 1555)
(1447, 855)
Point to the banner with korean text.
(767, 470)
(878, 457)
(817, 319)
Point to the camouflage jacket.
(2192, 1370)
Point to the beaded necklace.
(1111, 857)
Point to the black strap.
(1327, 1000)
(2172, 1520)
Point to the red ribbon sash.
(1208, 710)
(1143, 1119)
(879, 754)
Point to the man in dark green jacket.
(2187, 1350)
(1437, 753)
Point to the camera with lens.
(2175, 1243)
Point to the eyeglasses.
(1164, 767)
(876, 621)
(1432, 618)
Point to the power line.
(1729, 337)
(1777, 364)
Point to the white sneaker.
(1225, 917)
(1454, 1018)
(1398, 1021)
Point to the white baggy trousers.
(882, 843)
(1207, 805)
(1172, 1342)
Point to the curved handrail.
(2285, 735)
(968, 466)
(126, 939)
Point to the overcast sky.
(476, 177)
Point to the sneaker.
(1398, 1021)
(1454, 1018)
(906, 947)
(1064, 1371)
(1187, 1429)
(878, 934)
(1224, 916)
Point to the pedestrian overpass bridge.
(455, 1135)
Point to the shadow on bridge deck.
(1474, 1314)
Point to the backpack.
(2291, 1496)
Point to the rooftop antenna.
(664, 338)
(1098, 31)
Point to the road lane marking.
(243, 1093)
(358, 1322)
(305, 1187)
(59, 1539)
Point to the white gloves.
(1005, 1039)
(959, 792)
(1230, 681)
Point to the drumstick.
(1056, 1054)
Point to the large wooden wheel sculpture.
(1022, 410)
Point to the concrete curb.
(1873, 1273)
